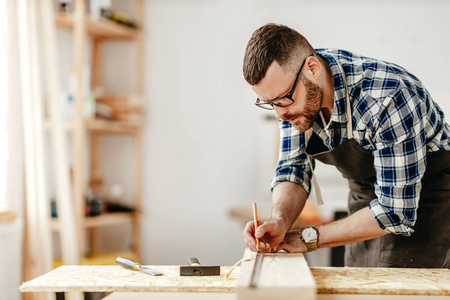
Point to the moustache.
(290, 117)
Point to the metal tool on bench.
(195, 269)
(134, 265)
(256, 271)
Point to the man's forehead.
(276, 83)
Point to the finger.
(250, 242)
(251, 247)
(249, 230)
(264, 247)
(279, 247)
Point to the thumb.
(262, 229)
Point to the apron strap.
(348, 106)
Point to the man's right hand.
(270, 233)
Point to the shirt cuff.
(295, 179)
(389, 220)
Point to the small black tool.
(195, 269)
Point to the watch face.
(309, 234)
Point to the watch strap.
(311, 246)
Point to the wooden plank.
(138, 138)
(79, 133)
(96, 178)
(37, 234)
(68, 240)
(37, 237)
(139, 48)
(137, 191)
(355, 281)
(96, 80)
(31, 222)
(281, 276)
(43, 203)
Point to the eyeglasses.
(284, 100)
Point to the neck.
(328, 92)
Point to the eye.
(282, 102)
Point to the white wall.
(207, 147)
(11, 234)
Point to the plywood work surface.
(115, 278)
(234, 296)
(387, 281)
(328, 281)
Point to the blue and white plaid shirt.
(393, 116)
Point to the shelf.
(7, 216)
(86, 134)
(103, 259)
(101, 28)
(101, 220)
(103, 126)
(106, 126)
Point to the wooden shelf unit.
(104, 126)
(91, 129)
(101, 28)
(104, 219)
(99, 259)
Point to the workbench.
(331, 282)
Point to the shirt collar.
(339, 114)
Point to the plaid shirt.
(393, 116)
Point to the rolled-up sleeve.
(399, 162)
(293, 163)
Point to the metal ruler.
(256, 270)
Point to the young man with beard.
(379, 126)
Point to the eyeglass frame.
(263, 104)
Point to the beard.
(314, 98)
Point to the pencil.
(255, 221)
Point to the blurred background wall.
(208, 148)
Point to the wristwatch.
(309, 236)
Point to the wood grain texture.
(396, 281)
(355, 281)
(281, 276)
(115, 278)
(233, 296)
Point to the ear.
(313, 67)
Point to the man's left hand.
(291, 243)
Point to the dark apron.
(429, 245)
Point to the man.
(379, 126)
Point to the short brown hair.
(274, 42)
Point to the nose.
(280, 111)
